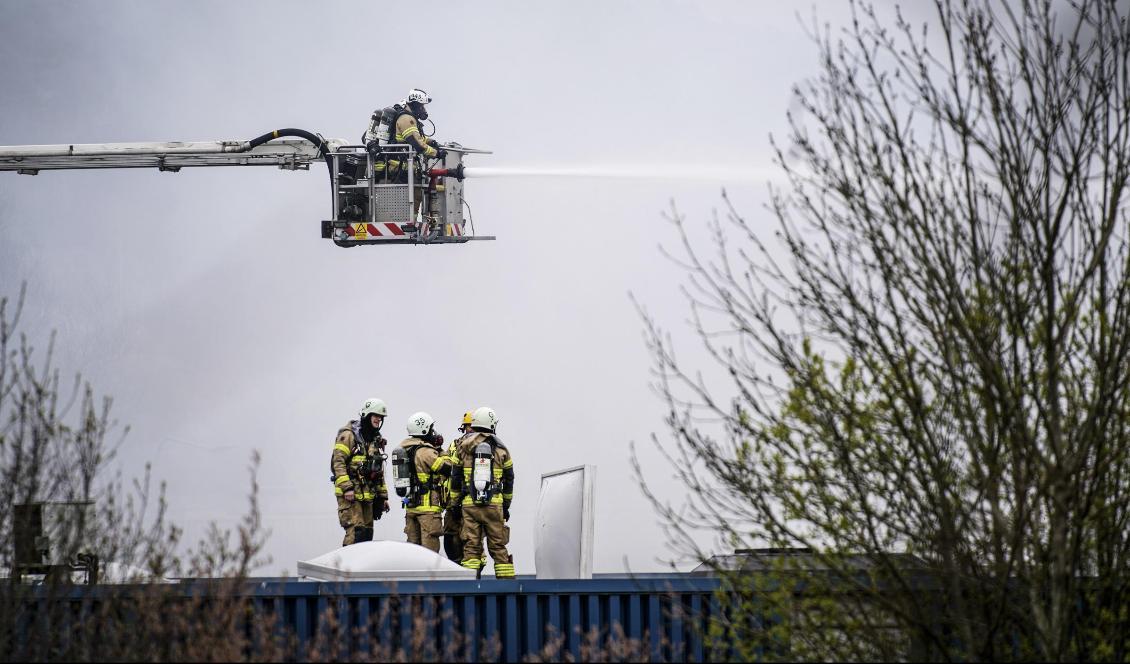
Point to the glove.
(385, 508)
(441, 154)
(505, 511)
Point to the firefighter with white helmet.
(400, 124)
(419, 470)
(357, 467)
(406, 128)
(487, 488)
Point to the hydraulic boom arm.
(171, 156)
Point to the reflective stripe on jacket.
(407, 131)
(503, 465)
(345, 463)
(450, 497)
(429, 463)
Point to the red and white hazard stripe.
(379, 229)
(385, 229)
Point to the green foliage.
(929, 395)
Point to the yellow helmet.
(467, 417)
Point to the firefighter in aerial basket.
(419, 470)
(357, 467)
(399, 124)
(487, 487)
(453, 516)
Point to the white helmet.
(420, 424)
(484, 418)
(417, 95)
(374, 406)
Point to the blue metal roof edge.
(521, 586)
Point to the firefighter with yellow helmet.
(357, 472)
(419, 470)
(487, 487)
(453, 516)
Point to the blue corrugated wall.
(502, 620)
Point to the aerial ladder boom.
(372, 203)
(170, 156)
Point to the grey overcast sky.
(207, 305)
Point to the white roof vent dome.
(380, 560)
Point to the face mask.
(368, 431)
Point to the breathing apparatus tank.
(380, 126)
(482, 474)
(402, 472)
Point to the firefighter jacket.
(502, 468)
(358, 466)
(452, 453)
(431, 468)
(407, 131)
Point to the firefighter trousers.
(453, 533)
(486, 520)
(424, 528)
(356, 517)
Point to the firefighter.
(404, 129)
(453, 517)
(419, 469)
(357, 467)
(487, 487)
(399, 125)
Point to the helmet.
(467, 418)
(420, 424)
(417, 96)
(484, 418)
(374, 406)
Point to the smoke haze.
(207, 305)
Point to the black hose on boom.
(323, 149)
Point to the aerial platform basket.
(385, 197)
